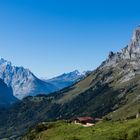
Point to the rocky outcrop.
(130, 53)
(128, 59)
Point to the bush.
(31, 137)
(105, 119)
(41, 127)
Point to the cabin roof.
(84, 118)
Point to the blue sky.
(54, 36)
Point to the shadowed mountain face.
(111, 90)
(6, 95)
(23, 81)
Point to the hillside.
(60, 105)
(112, 90)
(128, 130)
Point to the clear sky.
(54, 36)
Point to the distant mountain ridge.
(23, 81)
(66, 79)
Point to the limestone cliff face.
(128, 59)
(130, 53)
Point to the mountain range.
(24, 83)
(67, 79)
(110, 91)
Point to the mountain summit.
(67, 79)
(130, 53)
(128, 59)
(23, 81)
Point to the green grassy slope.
(121, 130)
(97, 95)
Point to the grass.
(78, 88)
(61, 130)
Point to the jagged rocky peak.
(130, 53)
(3, 61)
(23, 81)
(136, 34)
(127, 61)
(111, 54)
(67, 79)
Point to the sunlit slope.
(125, 130)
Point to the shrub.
(31, 137)
(41, 127)
(105, 119)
